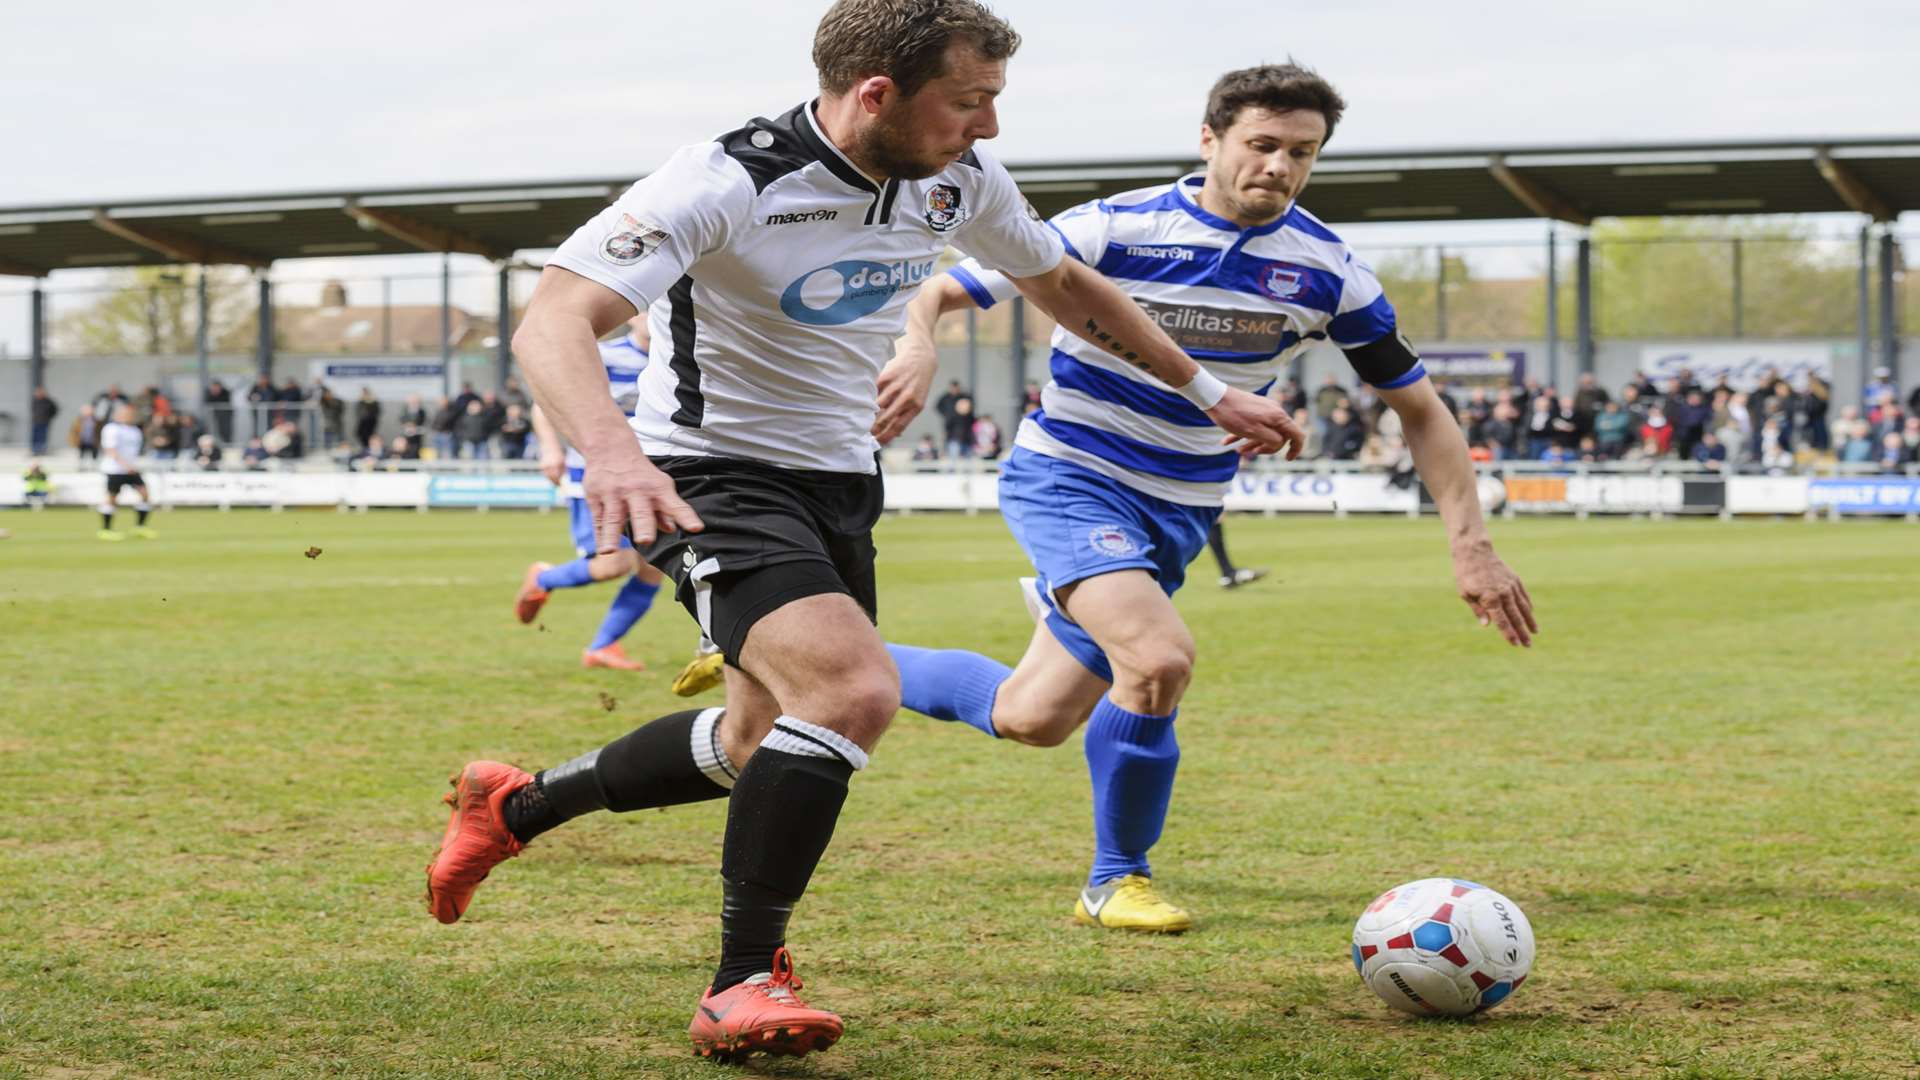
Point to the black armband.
(1386, 362)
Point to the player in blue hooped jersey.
(1114, 483)
(624, 358)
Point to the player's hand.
(904, 385)
(553, 467)
(1495, 594)
(625, 492)
(1257, 425)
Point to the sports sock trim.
(792, 735)
(708, 753)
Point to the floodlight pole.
(1889, 336)
(505, 354)
(1440, 294)
(37, 338)
(973, 352)
(1739, 290)
(263, 355)
(1553, 303)
(1583, 290)
(200, 332)
(1865, 329)
(1018, 350)
(446, 322)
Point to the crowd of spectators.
(1773, 426)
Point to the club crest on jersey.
(944, 211)
(631, 240)
(1111, 540)
(1282, 282)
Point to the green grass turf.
(220, 765)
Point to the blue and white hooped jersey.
(624, 362)
(1240, 301)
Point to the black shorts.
(772, 536)
(116, 481)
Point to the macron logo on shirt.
(1179, 254)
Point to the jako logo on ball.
(865, 287)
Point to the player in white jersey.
(120, 443)
(1114, 483)
(776, 263)
(623, 358)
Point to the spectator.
(511, 394)
(366, 417)
(514, 431)
(1739, 430)
(1775, 452)
(1345, 435)
(189, 431)
(109, 399)
(1856, 440)
(162, 436)
(466, 395)
(473, 431)
(1910, 434)
(260, 397)
(1813, 405)
(1503, 430)
(496, 412)
(1030, 399)
(84, 435)
(986, 439)
(1690, 419)
(40, 415)
(283, 441)
(413, 419)
(1478, 411)
(1446, 398)
(1878, 387)
(1590, 450)
(218, 401)
(1894, 457)
(1305, 423)
(445, 416)
(1782, 404)
(1709, 452)
(207, 454)
(959, 429)
(151, 405)
(36, 485)
(290, 397)
(926, 451)
(333, 412)
(1632, 403)
(1540, 427)
(1612, 428)
(372, 453)
(1588, 400)
(1657, 432)
(1480, 452)
(1328, 397)
(402, 449)
(1887, 418)
(255, 455)
(1292, 396)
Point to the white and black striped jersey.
(125, 438)
(776, 276)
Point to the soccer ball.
(1442, 947)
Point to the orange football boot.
(762, 1015)
(610, 656)
(527, 605)
(476, 839)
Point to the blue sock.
(949, 684)
(568, 575)
(632, 601)
(1132, 759)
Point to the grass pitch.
(222, 763)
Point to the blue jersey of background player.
(624, 358)
(1115, 481)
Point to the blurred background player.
(624, 358)
(1116, 482)
(1231, 577)
(120, 442)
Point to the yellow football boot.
(1129, 903)
(701, 674)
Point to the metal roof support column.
(1440, 294)
(386, 316)
(1864, 340)
(1018, 350)
(37, 338)
(201, 308)
(505, 358)
(1583, 289)
(446, 322)
(1739, 290)
(973, 352)
(263, 351)
(1553, 304)
(1889, 332)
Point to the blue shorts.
(1075, 524)
(580, 519)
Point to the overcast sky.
(113, 99)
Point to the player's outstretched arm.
(908, 377)
(553, 456)
(1086, 303)
(556, 348)
(1487, 584)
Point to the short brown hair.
(905, 40)
(1276, 88)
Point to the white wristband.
(1205, 391)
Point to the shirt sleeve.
(1003, 231)
(647, 240)
(1364, 328)
(1082, 231)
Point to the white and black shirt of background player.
(120, 446)
(775, 274)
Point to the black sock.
(779, 822)
(673, 760)
(1217, 540)
(106, 521)
(143, 512)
